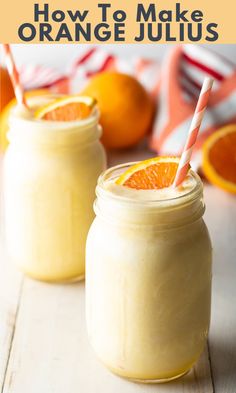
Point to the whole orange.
(125, 106)
(6, 89)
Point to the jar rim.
(63, 133)
(113, 172)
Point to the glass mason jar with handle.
(50, 174)
(148, 278)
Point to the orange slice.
(155, 173)
(219, 158)
(68, 108)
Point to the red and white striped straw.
(14, 75)
(193, 132)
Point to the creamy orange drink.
(50, 173)
(148, 275)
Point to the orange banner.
(117, 21)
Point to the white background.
(61, 56)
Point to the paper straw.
(183, 166)
(14, 75)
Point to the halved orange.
(155, 173)
(219, 158)
(69, 108)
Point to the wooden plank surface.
(221, 220)
(44, 345)
(10, 285)
(51, 353)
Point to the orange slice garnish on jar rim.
(219, 158)
(69, 108)
(155, 173)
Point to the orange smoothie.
(148, 278)
(50, 174)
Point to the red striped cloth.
(38, 76)
(96, 60)
(182, 75)
(174, 85)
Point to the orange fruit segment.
(69, 108)
(155, 173)
(219, 158)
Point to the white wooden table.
(43, 340)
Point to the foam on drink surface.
(151, 195)
(34, 103)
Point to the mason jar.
(50, 173)
(148, 279)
